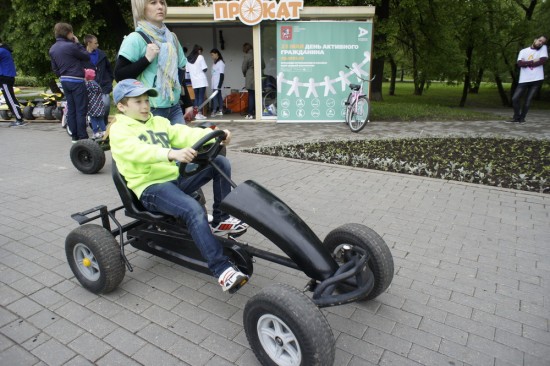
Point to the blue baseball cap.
(131, 88)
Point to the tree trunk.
(469, 52)
(501, 91)
(393, 76)
(474, 88)
(382, 13)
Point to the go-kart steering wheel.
(206, 152)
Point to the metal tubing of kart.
(269, 215)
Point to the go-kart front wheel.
(94, 257)
(380, 259)
(284, 327)
(87, 156)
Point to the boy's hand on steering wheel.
(185, 155)
(227, 139)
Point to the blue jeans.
(77, 108)
(251, 102)
(199, 96)
(98, 124)
(174, 114)
(217, 102)
(172, 198)
(531, 88)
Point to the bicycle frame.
(357, 104)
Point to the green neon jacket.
(140, 149)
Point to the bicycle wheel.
(270, 102)
(358, 114)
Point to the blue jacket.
(7, 66)
(103, 72)
(68, 58)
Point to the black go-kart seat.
(131, 203)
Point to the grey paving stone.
(89, 346)
(53, 353)
(359, 348)
(19, 330)
(190, 353)
(223, 347)
(152, 356)
(115, 358)
(16, 355)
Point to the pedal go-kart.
(283, 325)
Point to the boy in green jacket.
(146, 149)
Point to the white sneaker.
(220, 113)
(97, 135)
(200, 116)
(232, 279)
(230, 226)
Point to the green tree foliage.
(29, 28)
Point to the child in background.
(95, 104)
(218, 70)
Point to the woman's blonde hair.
(138, 9)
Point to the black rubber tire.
(27, 113)
(57, 113)
(380, 258)
(48, 112)
(87, 156)
(5, 115)
(354, 124)
(302, 323)
(106, 269)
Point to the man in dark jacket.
(69, 58)
(7, 80)
(104, 74)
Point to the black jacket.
(68, 58)
(103, 72)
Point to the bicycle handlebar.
(367, 80)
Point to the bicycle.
(357, 105)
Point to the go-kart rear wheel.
(94, 257)
(380, 259)
(5, 115)
(284, 327)
(87, 156)
(48, 112)
(27, 113)
(57, 113)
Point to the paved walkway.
(472, 271)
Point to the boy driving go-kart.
(146, 150)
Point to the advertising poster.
(312, 78)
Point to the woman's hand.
(185, 155)
(188, 113)
(152, 51)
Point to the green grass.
(440, 102)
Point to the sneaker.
(521, 120)
(230, 226)
(200, 116)
(213, 115)
(18, 123)
(97, 135)
(512, 121)
(232, 279)
(249, 116)
(219, 113)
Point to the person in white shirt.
(196, 65)
(531, 62)
(218, 71)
